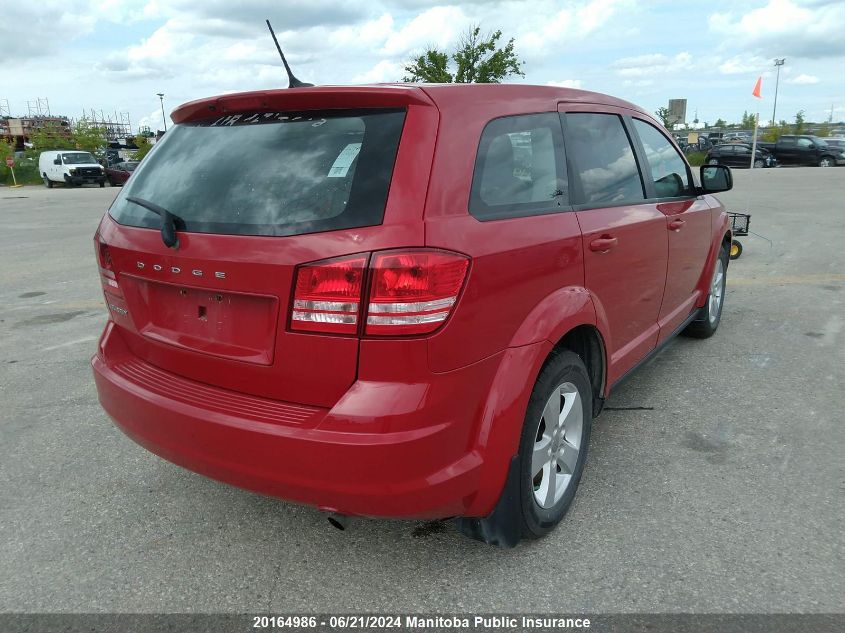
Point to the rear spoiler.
(315, 98)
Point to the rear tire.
(545, 474)
(707, 323)
(713, 161)
(47, 182)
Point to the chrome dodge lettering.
(176, 270)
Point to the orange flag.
(757, 86)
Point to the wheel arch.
(587, 342)
(564, 319)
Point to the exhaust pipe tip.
(339, 521)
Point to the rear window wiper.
(168, 221)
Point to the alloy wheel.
(557, 445)
(717, 291)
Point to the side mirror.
(716, 178)
(57, 161)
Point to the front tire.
(759, 163)
(827, 161)
(713, 161)
(707, 323)
(545, 474)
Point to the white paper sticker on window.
(343, 162)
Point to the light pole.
(163, 119)
(778, 63)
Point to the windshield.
(819, 141)
(129, 166)
(269, 173)
(78, 158)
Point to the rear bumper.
(295, 452)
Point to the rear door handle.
(676, 225)
(603, 244)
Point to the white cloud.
(744, 65)
(438, 26)
(383, 72)
(652, 64)
(545, 28)
(567, 83)
(808, 28)
(803, 80)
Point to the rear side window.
(518, 169)
(668, 169)
(605, 160)
(269, 173)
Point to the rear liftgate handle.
(676, 225)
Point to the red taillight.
(412, 292)
(103, 255)
(106, 267)
(328, 294)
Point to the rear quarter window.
(269, 173)
(519, 170)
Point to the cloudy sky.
(115, 55)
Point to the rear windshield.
(269, 173)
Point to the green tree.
(665, 117)
(747, 121)
(478, 59)
(144, 146)
(88, 137)
(51, 137)
(432, 67)
(824, 130)
(720, 123)
(773, 133)
(799, 122)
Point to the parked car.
(736, 137)
(73, 168)
(835, 143)
(351, 312)
(739, 155)
(793, 149)
(119, 173)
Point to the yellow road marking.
(786, 279)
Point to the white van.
(71, 167)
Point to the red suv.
(399, 300)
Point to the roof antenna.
(293, 82)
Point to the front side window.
(668, 169)
(269, 173)
(605, 159)
(518, 170)
(805, 142)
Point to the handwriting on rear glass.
(231, 120)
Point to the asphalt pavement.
(715, 482)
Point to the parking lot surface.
(715, 481)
